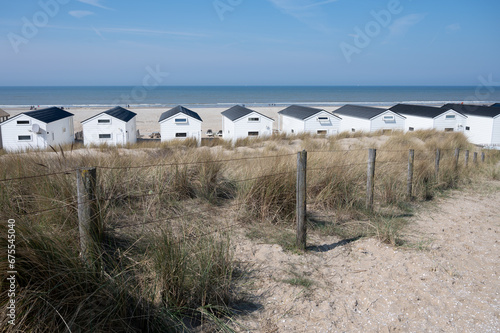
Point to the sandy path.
(448, 280)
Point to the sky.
(249, 42)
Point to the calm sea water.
(223, 96)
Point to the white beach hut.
(239, 122)
(37, 129)
(299, 119)
(483, 123)
(117, 126)
(3, 117)
(180, 123)
(357, 118)
(421, 117)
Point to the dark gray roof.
(117, 112)
(474, 110)
(238, 111)
(48, 115)
(419, 110)
(496, 105)
(179, 109)
(299, 111)
(358, 111)
(121, 113)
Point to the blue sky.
(249, 42)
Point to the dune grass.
(169, 209)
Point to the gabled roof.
(474, 110)
(48, 115)
(176, 110)
(496, 105)
(116, 112)
(358, 111)
(300, 112)
(236, 112)
(121, 113)
(3, 113)
(419, 110)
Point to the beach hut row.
(117, 126)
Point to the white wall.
(227, 128)
(242, 126)
(60, 132)
(358, 124)
(121, 132)
(441, 122)
(495, 137)
(378, 123)
(291, 125)
(481, 129)
(131, 131)
(313, 125)
(418, 123)
(169, 128)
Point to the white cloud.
(150, 32)
(80, 13)
(135, 31)
(95, 3)
(453, 28)
(306, 11)
(401, 26)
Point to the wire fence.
(102, 196)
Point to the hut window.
(104, 121)
(323, 119)
(448, 129)
(180, 135)
(450, 116)
(104, 136)
(389, 119)
(467, 128)
(181, 120)
(24, 137)
(411, 129)
(23, 122)
(253, 133)
(353, 130)
(253, 119)
(321, 132)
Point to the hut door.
(119, 139)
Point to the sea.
(226, 96)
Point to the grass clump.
(57, 292)
(193, 273)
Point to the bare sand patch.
(445, 279)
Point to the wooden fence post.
(409, 183)
(474, 159)
(370, 183)
(457, 156)
(438, 158)
(301, 199)
(466, 158)
(483, 156)
(88, 221)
